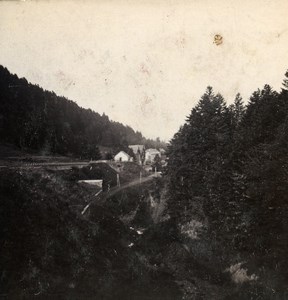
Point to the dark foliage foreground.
(228, 175)
(49, 251)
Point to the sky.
(145, 63)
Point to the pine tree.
(200, 152)
(263, 115)
(285, 81)
(237, 109)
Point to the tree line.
(33, 118)
(228, 169)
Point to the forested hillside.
(32, 118)
(228, 175)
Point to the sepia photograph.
(143, 150)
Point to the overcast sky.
(145, 63)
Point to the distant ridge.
(33, 118)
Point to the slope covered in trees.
(33, 118)
(228, 174)
(49, 250)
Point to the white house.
(150, 154)
(122, 156)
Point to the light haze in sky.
(145, 63)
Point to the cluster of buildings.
(143, 156)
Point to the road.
(101, 197)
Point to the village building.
(137, 148)
(123, 156)
(94, 182)
(139, 152)
(150, 155)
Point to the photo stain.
(144, 69)
(218, 39)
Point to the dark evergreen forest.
(36, 119)
(228, 171)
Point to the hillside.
(35, 119)
(50, 251)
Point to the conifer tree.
(237, 109)
(285, 81)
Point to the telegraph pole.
(118, 180)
